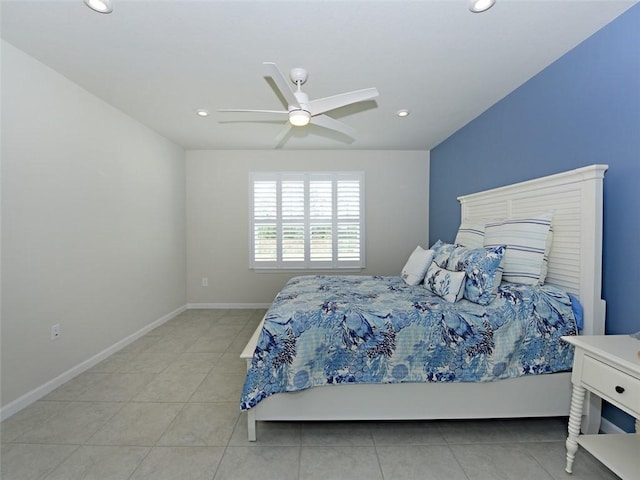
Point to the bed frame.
(575, 265)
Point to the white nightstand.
(609, 367)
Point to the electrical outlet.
(205, 282)
(55, 331)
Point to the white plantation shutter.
(320, 220)
(292, 219)
(348, 220)
(307, 220)
(265, 233)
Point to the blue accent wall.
(582, 109)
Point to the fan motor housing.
(298, 75)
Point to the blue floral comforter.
(325, 330)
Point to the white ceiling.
(159, 61)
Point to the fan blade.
(282, 84)
(333, 124)
(250, 110)
(283, 136)
(325, 104)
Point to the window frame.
(307, 264)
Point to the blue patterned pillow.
(441, 252)
(483, 271)
(445, 284)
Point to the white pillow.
(415, 268)
(470, 234)
(445, 283)
(545, 263)
(526, 240)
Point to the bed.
(574, 266)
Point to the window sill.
(335, 271)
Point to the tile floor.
(166, 407)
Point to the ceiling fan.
(301, 111)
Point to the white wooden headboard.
(575, 261)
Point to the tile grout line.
(375, 447)
(224, 452)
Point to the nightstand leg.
(575, 419)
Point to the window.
(307, 220)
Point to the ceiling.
(159, 61)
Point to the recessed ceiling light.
(479, 6)
(402, 113)
(202, 112)
(100, 6)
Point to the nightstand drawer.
(612, 383)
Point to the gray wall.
(396, 215)
(93, 225)
(101, 221)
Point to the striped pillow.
(526, 241)
(470, 234)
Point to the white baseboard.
(230, 306)
(39, 392)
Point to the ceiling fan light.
(299, 118)
(100, 6)
(479, 6)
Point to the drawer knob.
(619, 389)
